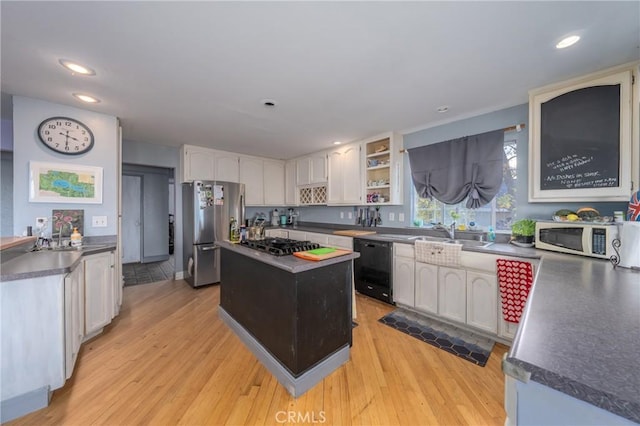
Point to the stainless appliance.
(373, 269)
(207, 209)
(587, 239)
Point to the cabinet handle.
(210, 248)
(385, 294)
(369, 287)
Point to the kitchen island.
(293, 314)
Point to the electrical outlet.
(99, 221)
(341, 215)
(392, 216)
(350, 215)
(400, 217)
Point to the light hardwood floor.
(167, 359)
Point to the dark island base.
(302, 321)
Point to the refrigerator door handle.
(210, 248)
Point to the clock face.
(65, 135)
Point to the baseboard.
(296, 386)
(26, 403)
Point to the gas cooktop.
(280, 246)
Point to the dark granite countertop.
(50, 262)
(288, 263)
(580, 332)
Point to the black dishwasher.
(372, 270)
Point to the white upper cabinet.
(344, 184)
(274, 183)
(383, 165)
(252, 175)
(227, 166)
(290, 183)
(311, 169)
(263, 181)
(197, 163)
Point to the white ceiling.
(195, 72)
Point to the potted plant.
(524, 230)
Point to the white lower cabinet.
(452, 294)
(403, 281)
(322, 239)
(426, 295)
(297, 235)
(99, 291)
(482, 301)
(277, 233)
(73, 317)
(340, 242)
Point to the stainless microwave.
(586, 239)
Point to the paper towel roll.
(630, 245)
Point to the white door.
(452, 293)
(403, 281)
(482, 301)
(351, 182)
(427, 287)
(131, 220)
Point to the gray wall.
(148, 154)
(470, 126)
(27, 115)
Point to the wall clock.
(65, 135)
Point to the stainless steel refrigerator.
(207, 208)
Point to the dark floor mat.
(457, 341)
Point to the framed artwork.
(67, 220)
(64, 183)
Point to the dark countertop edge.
(64, 268)
(288, 263)
(616, 405)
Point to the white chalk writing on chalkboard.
(569, 162)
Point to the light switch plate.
(99, 221)
(400, 217)
(350, 215)
(341, 215)
(392, 216)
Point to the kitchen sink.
(470, 243)
(465, 243)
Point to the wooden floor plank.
(168, 359)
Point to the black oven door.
(570, 238)
(372, 270)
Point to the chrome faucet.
(452, 230)
(60, 231)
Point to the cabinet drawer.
(404, 250)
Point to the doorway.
(131, 218)
(146, 213)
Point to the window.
(499, 213)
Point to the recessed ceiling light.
(269, 103)
(442, 109)
(337, 142)
(76, 68)
(86, 98)
(567, 41)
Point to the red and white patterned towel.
(515, 279)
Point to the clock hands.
(68, 136)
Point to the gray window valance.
(468, 167)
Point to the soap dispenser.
(76, 238)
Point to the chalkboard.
(580, 139)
